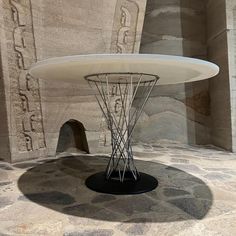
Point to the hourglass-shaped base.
(122, 97)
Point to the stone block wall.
(4, 131)
(176, 112)
(82, 27)
(230, 33)
(32, 111)
(23, 118)
(201, 112)
(218, 51)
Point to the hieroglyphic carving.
(114, 99)
(123, 41)
(115, 104)
(27, 106)
(125, 26)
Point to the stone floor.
(196, 195)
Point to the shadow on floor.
(59, 185)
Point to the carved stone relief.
(26, 98)
(113, 95)
(123, 41)
(125, 26)
(104, 138)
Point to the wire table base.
(121, 97)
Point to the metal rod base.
(122, 97)
(99, 183)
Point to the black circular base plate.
(99, 183)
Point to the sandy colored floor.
(196, 195)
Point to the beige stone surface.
(231, 39)
(32, 113)
(91, 27)
(202, 29)
(24, 116)
(177, 28)
(4, 97)
(34, 30)
(220, 86)
(196, 195)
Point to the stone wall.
(4, 130)
(32, 111)
(82, 27)
(230, 31)
(33, 30)
(22, 95)
(218, 50)
(176, 112)
(201, 112)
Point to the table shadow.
(58, 184)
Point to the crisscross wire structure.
(115, 94)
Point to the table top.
(170, 69)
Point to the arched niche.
(72, 137)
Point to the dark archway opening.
(72, 138)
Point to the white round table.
(117, 79)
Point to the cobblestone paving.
(196, 195)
